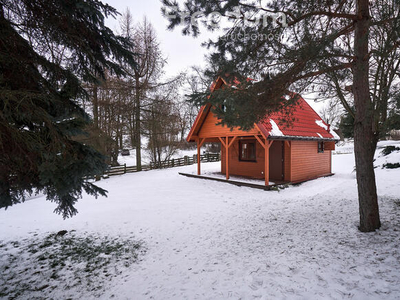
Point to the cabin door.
(276, 161)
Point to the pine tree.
(47, 50)
(346, 125)
(347, 48)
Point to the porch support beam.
(227, 144)
(260, 141)
(227, 157)
(222, 141)
(266, 156)
(200, 142)
(231, 142)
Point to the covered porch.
(246, 157)
(238, 181)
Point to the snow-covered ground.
(212, 240)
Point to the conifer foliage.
(47, 50)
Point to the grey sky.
(181, 52)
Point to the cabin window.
(247, 150)
(320, 147)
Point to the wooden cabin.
(270, 151)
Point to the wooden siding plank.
(287, 161)
(231, 142)
(260, 141)
(307, 162)
(210, 128)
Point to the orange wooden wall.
(243, 168)
(210, 129)
(307, 163)
(301, 161)
(287, 154)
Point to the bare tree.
(331, 112)
(144, 74)
(162, 125)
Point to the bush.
(389, 149)
(391, 166)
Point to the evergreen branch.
(324, 71)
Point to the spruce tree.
(346, 125)
(48, 49)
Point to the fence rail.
(170, 163)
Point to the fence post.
(124, 168)
(173, 163)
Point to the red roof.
(306, 124)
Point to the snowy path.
(210, 240)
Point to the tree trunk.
(132, 129)
(364, 136)
(95, 107)
(138, 144)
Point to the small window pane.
(247, 151)
(320, 147)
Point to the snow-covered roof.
(305, 122)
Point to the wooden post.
(200, 143)
(124, 168)
(266, 148)
(266, 156)
(227, 144)
(227, 157)
(198, 158)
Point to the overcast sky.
(181, 52)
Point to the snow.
(321, 124)
(214, 171)
(331, 131)
(211, 240)
(275, 129)
(319, 135)
(335, 136)
(344, 147)
(392, 158)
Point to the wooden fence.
(170, 163)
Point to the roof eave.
(302, 138)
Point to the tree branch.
(320, 72)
